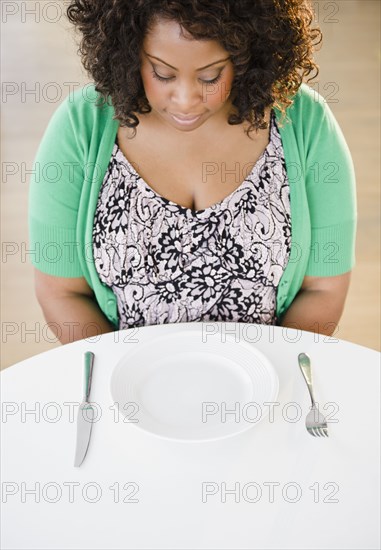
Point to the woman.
(198, 179)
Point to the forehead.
(167, 40)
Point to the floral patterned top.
(170, 264)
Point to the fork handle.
(305, 367)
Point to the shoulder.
(84, 97)
(307, 102)
(310, 108)
(85, 104)
(313, 121)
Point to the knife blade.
(85, 415)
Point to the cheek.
(152, 88)
(217, 94)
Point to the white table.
(270, 487)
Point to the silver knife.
(85, 416)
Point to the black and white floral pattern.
(170, 264)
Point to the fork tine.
(316, 423)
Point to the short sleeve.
(54, 195)
(331, 193)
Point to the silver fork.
(316, 423)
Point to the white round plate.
(178, 387)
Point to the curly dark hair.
(270, 42)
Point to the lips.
(185, 122)
(186, 118)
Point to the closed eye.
(169, 79)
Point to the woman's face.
(197, 77)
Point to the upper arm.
(48, 286)
(330, 184)
(55, 190)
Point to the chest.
(195, 175)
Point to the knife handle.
(89, 363)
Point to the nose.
(186, 97)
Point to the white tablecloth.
(273, 486)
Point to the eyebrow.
(200, 69)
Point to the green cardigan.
(75, 151)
